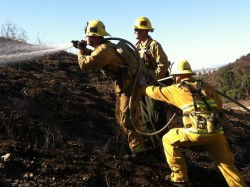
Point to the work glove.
(79, 44)
(82, 44)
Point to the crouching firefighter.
(106, 57)
(204, 124)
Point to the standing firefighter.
(156, 61)
(203, 122)
(111, 64)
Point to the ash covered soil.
(58, 129)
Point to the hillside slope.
(58, 125)
(235, 71)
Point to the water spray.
(14, 52)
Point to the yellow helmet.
(183, 67)
(143, 23)
(95, 28)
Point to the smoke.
(13, 51)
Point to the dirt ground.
(58, 129)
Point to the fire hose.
(133, 88)
(233, 100)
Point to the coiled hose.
(133, 88)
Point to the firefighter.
(156, 61)
(107, 59)
(203, 123)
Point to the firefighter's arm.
(92, 59)
(85, 60)
(162, 62)
(155, 92)
(85, 51)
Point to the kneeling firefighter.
(105, 56)
(204, 124)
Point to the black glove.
(82, 44)
(79, 45)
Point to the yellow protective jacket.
(154, 57)
(181, 97)
(110, 63)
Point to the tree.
(227, 77)
(245, 84)
(234, 93)
(12, 31)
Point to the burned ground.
(58, 129)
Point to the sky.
(207, 33)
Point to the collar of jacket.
(147, 41)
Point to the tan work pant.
(135, 140)
(217, 147)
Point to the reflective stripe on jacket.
(189, 107)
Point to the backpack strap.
(192, 91)
(195, 91)
(148, 45)
(147, 53)
(202, 96)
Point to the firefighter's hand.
(82, 44)
(79, 44)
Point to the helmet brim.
(185, 72)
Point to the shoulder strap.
(199, 87)
(147, 53)
(148, 45)
(194, 91)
